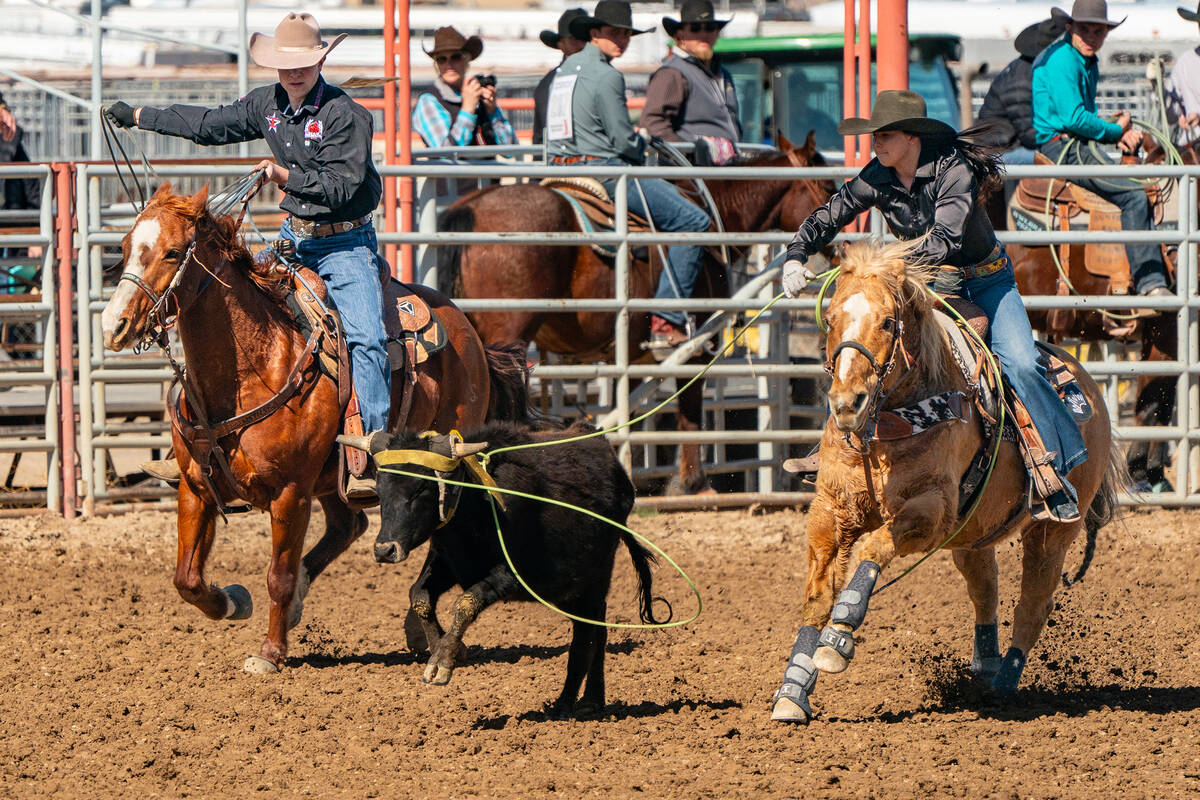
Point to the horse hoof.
(829, 660)
(586, 709)
(787, 710)
(257, 665)
(1009, 675)
(240, 600)
(437, 674)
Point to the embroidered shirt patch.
(314, 130)
(273, 122)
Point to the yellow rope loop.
(443, 465)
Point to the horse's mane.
(888, 263)
(224, 236)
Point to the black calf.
(565, 556)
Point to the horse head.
(806, 196)
(156, 252)
(874, 321)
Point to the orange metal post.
(64, 229)
(849, 76)
(389, 122)
(404, 133)
(864, 75)
(891, 55)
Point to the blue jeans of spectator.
(347, 263)
(1145, 259)
(1018, 157)
(1024, 367)
(670, 212)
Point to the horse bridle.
(160, 324)
(878, 395)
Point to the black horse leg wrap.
(987, 644)
(800, 668)
(851, 608)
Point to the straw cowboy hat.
(449, 40)
(896, 110)
(693, 11)
(1038, 36)
(614, 13)
(296, 44)
(1190, 16)
(550, 38)
(1087, 11)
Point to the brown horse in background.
(1037, 274)
(522, 271)
(241, 345)
(879, 500)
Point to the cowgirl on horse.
(927, 181)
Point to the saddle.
(594, 210)
(414, 334)
(1041, 204)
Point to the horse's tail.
(643, 560)
(508, 374)
(459, 219)
(1103, 509)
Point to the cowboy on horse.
(927, 181)
(321, 141)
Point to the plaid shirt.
(431, 119)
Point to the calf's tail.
(642, 560)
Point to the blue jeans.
(347, 264)
(670, 212)
(1017, 157)
(1024, 367)
(1145, 260)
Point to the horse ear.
(200, 200)
(810, 143)
(163, 190)
(784, 144)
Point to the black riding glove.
(121, 115)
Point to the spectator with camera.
(460, 110)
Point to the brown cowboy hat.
(693, 11)
(614, 13)
(896, 110)
(1087, 11)
(1038, 36)
(449, 40)
(1190, 16)
(296, 44)
(550, 38)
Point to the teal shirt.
(1064, 96)
(599, 117)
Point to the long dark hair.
(983, 160)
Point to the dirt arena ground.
(115, 687)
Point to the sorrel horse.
(1038, 274)
(577, 272)
(877, 500)
(241, 348)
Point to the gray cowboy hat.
(1038, 36)
(296, 44)
(896, 110)
(1087, 11)
(449, 40)
(1190, 16)
(550, 38)
(693, 11)
(615, 13)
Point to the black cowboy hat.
(1087, 11)
(615, 13)
(449, 40)
(1190, 16)
(896, 110)
(693, 11)
(1038, 36)
(550, 38)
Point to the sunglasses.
(442, 59)
(702, 27)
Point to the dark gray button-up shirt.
(325, 145)
(941, 203)
(599, 117)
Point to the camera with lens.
(486, 80)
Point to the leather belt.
(316, 230)
(982, 270)
(576, 159)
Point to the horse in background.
(577, 272)
(243, 350)
(899, 494)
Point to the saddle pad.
(593, 209)
(406, 316)
(918, 417)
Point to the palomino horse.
(577, 272)
(900, 497)
(241, 348)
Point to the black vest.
(483, 125)
(711, 107)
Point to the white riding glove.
(796, 277)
